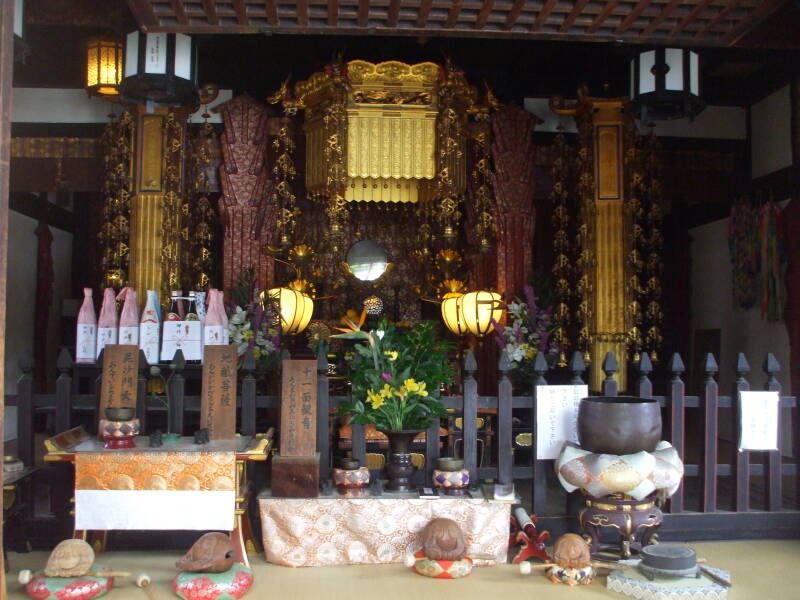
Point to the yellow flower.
(375, 398)
(415, 387)
(387, 391)
(247, 335)
(401, 393)
(256, 352)
(392, 354)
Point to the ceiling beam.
(241, 12)
(661, 16)
(363, 13)
(720, 15)
(272, 13)
(143, 12)
(211, 12)
(603, 15)
(689, 18)
(180, 14)
(424, 11)
(632, 16)
(394, 13)
(752, 20)
(333, 13)
(455, 10)
(486, 10)
(573, 14)
(302, 12)
(543, 14)
(513, 14)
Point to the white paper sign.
(182, 335)
(557, 417)
(758, 413)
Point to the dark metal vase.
(619, 424)
(399, 467)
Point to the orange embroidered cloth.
(165, 471)
(338, 531)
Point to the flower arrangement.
(527, 333)
(395, 374)
(253, 324)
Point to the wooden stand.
(635, 520)
(295, 476)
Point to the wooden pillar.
(6, 68)
(601, 122)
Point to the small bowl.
(349, 464)
(448, 463)
(120, 413)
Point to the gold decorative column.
(602, 232)
(155, 208)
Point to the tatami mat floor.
(761, 570)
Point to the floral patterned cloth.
(317, 532)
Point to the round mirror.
(367, 260)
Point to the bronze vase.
(399, 467)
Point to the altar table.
(339, 531)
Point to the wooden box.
(295, 476)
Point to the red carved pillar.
(245, 210)
(512, 151)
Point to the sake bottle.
(108, 323)
(150, 328)
(174, 312)
(129, 318)
(216, 326)
(86, 335)
(191, 312)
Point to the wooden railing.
(709, 460)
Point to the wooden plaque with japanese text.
(218, 396)
(299, 408)
(120, 374)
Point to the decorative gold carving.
(171, 232)
(608, 167)
(282, 192)
(563, 269)
(56, 147)
(391, 97)
(150, 157)
(396, 72)
(199, 227)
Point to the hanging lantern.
(452, 315)
(103, 67)
(373, 305)
(295, 308)
(665, 85)
(159, 68)
(479, 309)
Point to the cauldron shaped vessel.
(619, 424)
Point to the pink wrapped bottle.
(108, 323)
(86, 336)
(150, 328)
(215, 331)
(129, 318)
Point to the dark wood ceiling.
(684, 22)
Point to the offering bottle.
(108, 323)
(129, 318)
(86, 335)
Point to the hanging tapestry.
(744, 249)
(773, 258)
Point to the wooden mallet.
(143, 581)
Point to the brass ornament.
(172, 203)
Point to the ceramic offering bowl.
(349, 480)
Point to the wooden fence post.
(539, 482)
(63, 415)
(323, 415)
(677, 406)
(248, 391)
(772, 466)
(610, 366)
(141, 392)
(97, 391)
(644, 387)
(469, 418)
(711, 438)
(175, 393)
(741, 460)
(25, 412)
(505, 457)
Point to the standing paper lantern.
(451, 313)
(479, 309)
(103, 67)
(295, 308)
(159, 68)
(665, 84)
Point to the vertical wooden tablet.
(120, 373)
(218, 396)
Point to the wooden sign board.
(299, 408)
(218, 397)
(120, 374)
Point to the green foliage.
(395, 374)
